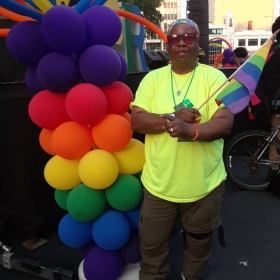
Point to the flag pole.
(231, 76)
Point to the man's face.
(182, 51)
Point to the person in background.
(269, 83)
(240, 55)
(184, 171)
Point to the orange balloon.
(4, 32)
(72, 140)
(45, 140)
(13, 16)
(127, 116)
(113, 133)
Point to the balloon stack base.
(10, 260)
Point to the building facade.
(235, 22)
(257, 14)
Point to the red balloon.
(86, 104)
(47, 109)
(119, 96)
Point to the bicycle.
(246, 158)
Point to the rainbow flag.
(237, 93)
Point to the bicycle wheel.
(237, 158)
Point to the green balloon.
(61, 198)
(125, 193)
(86, 204)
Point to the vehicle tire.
(237, 155)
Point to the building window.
(166, 4)
(252, 42)
(241, 42)
(263, 41)
(215, 31)
(230, 22)
(225, 22)
(165, 27)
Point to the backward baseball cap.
(189, 22)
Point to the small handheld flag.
(236, 93)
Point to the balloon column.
(81, 104)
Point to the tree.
(149, 11)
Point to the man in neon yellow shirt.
(184, 171)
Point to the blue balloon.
(82, 5)
(111, 231)
(21, 9)
(133, 216)
(98, 3)
(31, 3)
(74, 233)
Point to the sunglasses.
(187, 38)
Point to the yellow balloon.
(62, 174)
(131, 159)
(98, 169)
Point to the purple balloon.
(124, 67)
(64, 29)
(104, 26)
(228, 52)
(83, 251)
(100, 65)
(31, 80)
(101, 264)
(231, 60)
(58, 72)
(131, 250)
(26, 43)
(224, 60)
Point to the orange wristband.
(196, 132)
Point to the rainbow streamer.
(237, 93)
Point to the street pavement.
(251, 222)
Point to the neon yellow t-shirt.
(180, 171)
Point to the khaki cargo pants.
(157, 220)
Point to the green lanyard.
(187, 88)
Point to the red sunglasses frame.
(187, 39)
